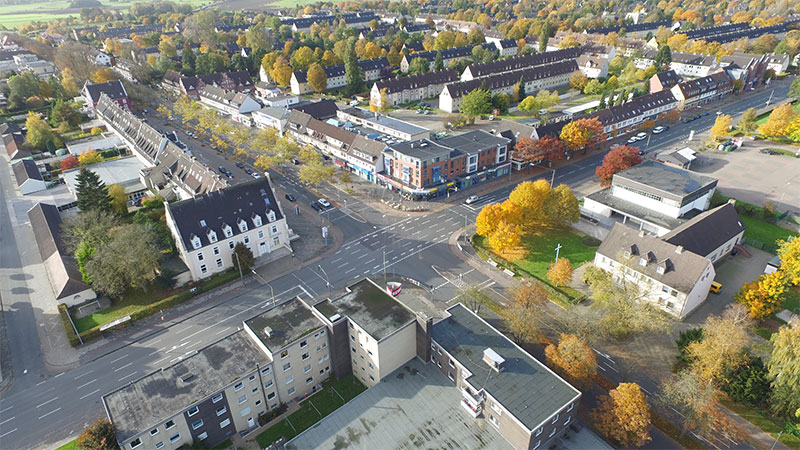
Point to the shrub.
(683, 341)
(748, 384)
(65, 320)
(270, 415)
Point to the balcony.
(473, 399)
(474, 412)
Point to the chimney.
(268, 331)
(679, 249)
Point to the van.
(715, 287)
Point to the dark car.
(767, 152)
(290, 197)
(705, 113)
(240, 165)
(317, 206)
(248, 171)
(223, 170)
(295, 162)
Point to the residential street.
(41, 409)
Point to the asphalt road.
(58, 407)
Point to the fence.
(760, 245)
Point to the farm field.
(12, 16)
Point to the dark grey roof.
(423, 149)
(632, 27)
(672, 181)
(13, 145)
(474, 141)
(696, 59)
(414, 46)
(62, 270)
(718, 81)
(682, 268)
(526, 388)
(702, 33)
(519, 62)
(113, 89)
(26, 170)
(224, 207)
(287, 323)
(707, 231)
(633, 108)
(144, 403)
(8, 128)
(449, 53)
(400, 84)
(339, 70)
(750, 33)
(321, 110)
(668, 78)
(510, 78)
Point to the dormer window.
(642, 262)
(195, 241)
(271, 216)
(227, 230)
(256, 219)
(212, 236)
(661, 270)
(242, 225)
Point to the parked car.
(428, 111)
(317, 206)
(256, 175)
(295, 161)
(705, 113)
(325, 203)
(767, 152)
(248, 171)
(223, 170)
(641, 135)
(471, 199)
(659, 130)
(290, 197)
(240, 164)
(641, 152)
(715, 287)
(633, 140)
(419, 111)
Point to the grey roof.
(122, 171)
(505, 79)
(321, 110)
(668, 78)
(633, 108)
(62, 270)
(9, 127)
(672, 181)
(26, 170)
(631, 27)
(13, 145)
(216, 209)
(708, 231)
(632, 209)
(696, 59)
(386, 121)
(287, 323)
(519, 62)
(449, 53)
(474, 141)
(144, 403)
(713, 82)
(339, 69)
(628, 246)
(423, 149)
(401, 84)
(701, 33)
(371, 307)
(526, 388)
(113, 89)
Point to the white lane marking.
(336, 260)
(128, 376)
(8, 420)
(119, 359)
(51, 412)
(305, 291)
(126, 365)
(62, 373)
(49, 401)
(90, 393)
(350, 270)
(86, 384)
(363, 256)
(4, 410)
(8, 432)
(41, 383)
(222, 331)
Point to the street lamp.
(327, 280)
(239, 263)
(272, 291)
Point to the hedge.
(67, 322)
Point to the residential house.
(711, 234)
(383, 124)
(115, 90)
(507, 47)
(549, 76)
(655, 197)
(708, 32)
(748, 68)
(271, 117)
(669, 276)
(28, 177)
(479, 70)
(13, 141)
(411, 88)
(102, 141)
(663, 81)
(616, 119)
(413, 47)
(597, 49)
(449, 56)
(631, 28)
(779, 63)
(59, 263)
(320, 110)
(182, 85)
(208, 227)
(684, 64)
(238, 105)
(373, 69)
(750, 33)
(700, 91)
(593, 66)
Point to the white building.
(271, 117)
(413, 88)
(383, 124)
(593, 66)
(103, 141)
(683, 63)
(208, 227)
(28, 177)
(125, 172)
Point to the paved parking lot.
(754, 177)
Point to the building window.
(245, 412)
(309, 380)
(192, 411)
(225, 423)
(247, 239)
(571, 405)
(291, 390)
(261, 234)
(496, 408)
(221, 411)
(252, 378)
(539, 430)
(567, 420)
(265, 371)
(268, 384)
(160, 445)
(175, 438)
(200, 256)
(197, 424)
(238, 387)
(289, 379)
(242, 399)
(494, 421)
(284, 354)
(452, 364)
(203, 436)
(303, 344)
(169, 424)
(216, 250)
(154, 432)
(270, 396)
(219, 262)
(287, 366)
(305, 356)
(450, 375)
(258, 402)
(231, 245)
(276, 242)
(538, 443)
(203, 268)
(307, 368)
(553, 431)
(216, 398)
(136, 442)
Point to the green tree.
(476, 103)
(663, 58)
(748, 383)
(501, 101)
(188, 60)
(129, 259)
(91, 192)
(119, 199)
(353, 73)
(314, 170)
(783, 363)
(794, 89)
(98, 436)
(749, 121)
(242, 254)
(418, 65)
(684, 339)
(26, 85)
(544, 37)
(438, 63)
(40, 135)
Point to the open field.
(12, 16)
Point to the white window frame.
(190, 413)
(225, 423)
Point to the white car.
(659, 130)
(471, 199)
(633, 140)
(642, 135)
(324, 203)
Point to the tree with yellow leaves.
(624, 416)
(789, 253)
(89, 157)
(725, 339)
(103, 75)
(574, 359)
(778, 121)
(488, 219)
(722, 126)
(530, 197)
(582, 132)
(560, 272)
(793, 129)
(317, 78)
(505, 237)
(281, 71)
(765, 295)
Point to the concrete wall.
(397, 349)
(364, 354)
(162, 436)
(305, 362)
(699, 293)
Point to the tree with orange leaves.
(765, 295)
(618, 159)
(581, 133)
(574, 359)
(624, 416)
(560, 272)
(547, 148)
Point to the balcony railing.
(472, 411)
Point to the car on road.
(633, 140)
(641, 152)
(248, 171)
(317, 206)
(291, 197)
(704, 113)
(641, 135)
(767, 152)
(325, 203)
(428, 111)
(659, 130)
(419, 111)
(256, 175)
(223, 170)
(240, 164)
(471, 199)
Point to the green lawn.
(129, 303)
(69, 446)
(541, 249)
(762, 231)
(762, 421)
(792, 302)
(763, 118)
(313, 409)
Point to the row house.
(115, 90)
(747, 67)
(449, 55)
(593, 66)
(633, 112)
(373, 69)
(238, 81)
(623, 46)
(631, 28)
(426, 168)
(238, 105)
(751, 33)
(507, 47)
(550, 76)
(410, 89)
(779, 63)
(663, 81)
(705, 33)
(208, 227)
(478, 70)
(683, 63)
(702, 90)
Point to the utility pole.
(239, 263)
(272, 291)
(327, 280)
(558, 248)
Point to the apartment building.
(703, 90)
(449, 55)
(113, 89)
(501, 384)
(663, 81)
(237, 105)
(373, 69)
(633, 112)
(683, 63)
(413, 88)
(507, 47)
(208, 227)
(656, 197)
(179, 84)
(747, 67)
(534, 79)
(593, 66)
(478, 70)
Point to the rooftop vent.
(188, 378)
(679, 249)
(493, 359)
(268, 331)
(334, 318)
